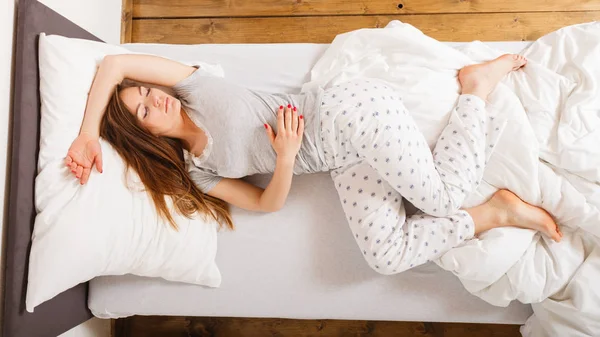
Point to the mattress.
(302, 261)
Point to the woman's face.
(157, 111)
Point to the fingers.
(79, 171)
(301, 126)
(294, 127)
(280, 123)
(82, 173)
(85, 152)
(288, 118)
(73, 167)
(85, 176)
(269, 133)
(98, 162)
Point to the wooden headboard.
(319, 21)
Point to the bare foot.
(512, 211)
(481, 79)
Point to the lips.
(166, 104)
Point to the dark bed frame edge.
(68, 309)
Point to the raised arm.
(114, 69)
(85, 150)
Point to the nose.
(156, 101)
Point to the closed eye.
(145, 107)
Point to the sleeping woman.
(194, 146)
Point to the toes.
(520, 61)
(517, 60)
(557, 236)
(554, 232)
(559, 231)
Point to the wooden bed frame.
(319, 21)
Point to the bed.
(300, 262)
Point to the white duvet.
(549, 155)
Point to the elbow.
(109, 61)
(111, 65)
(267, 206)
(271, 209)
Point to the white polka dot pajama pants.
(377, 157)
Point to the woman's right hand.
(83, 154)
(290, 129)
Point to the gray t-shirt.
(233, 119)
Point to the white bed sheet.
(302, 261)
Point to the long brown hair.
(160, 165)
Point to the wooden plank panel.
(159, 326)
(126, 20)
(246, 8)
(443, 27)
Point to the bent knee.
(382, 266)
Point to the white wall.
(101, 18)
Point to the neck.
(187, 131)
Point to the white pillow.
(103, 227)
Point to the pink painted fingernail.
(266, 126)
(301, 116)
(289, 106)
(294, 108)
